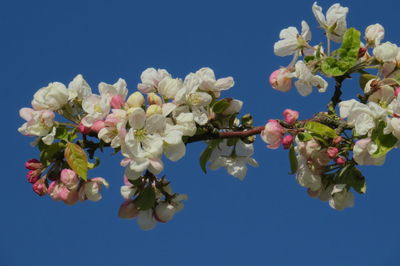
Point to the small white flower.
(52, 97)
(305, 177)
(362, 151)
(78, 88)
(97, 108)
(306, 80)
(168, 87)
(38, 123)
(374, 34)
(92, 188)
(291, 41)
(335, 21)
(341, 197)
(146, 220)
(116, 89)
(210, 84)
(386, 52)
(151, 78)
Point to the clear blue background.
(267, 219)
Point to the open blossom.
(273, 134)
(384, 94)
(362, 116)
(341, 197)
(335, 21)
(233, 158)
(78, 88)
(69, 178)
(281, 79)
(386, 52)
(53, 97)
(374, 34)
(209, 83)
(168, 87)
(306, 80)
(151, 78)
(363, 151)
(97, 108)
(112, 124)
(38, 123)
(291, 41)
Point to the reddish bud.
(84, 130)
(40, 187)
(287, 141)
(117, 102)
(362, 51)
(397, 91)
(33, 175)
(97, 126)
(290, 116)
(340, 160)
(337, 140)
(33, 164)
(332, 152)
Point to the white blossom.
(374, 34)
(335, 21)
(97, 108)
(52, 97)
(151, 78)
(306, 80)
(209, 83)
(341, 197)
(38, 123)
(291, 41)
(386, 52)
(363, 150)
(78, 88)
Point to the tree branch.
(336, 95)
(226, 134)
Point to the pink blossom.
(117, 102)
(287, 141)
(83, 129)
(128, 210)
(397, 91)
(40, 187)
(33, 175)
(97, 126)
(69, 178)
(332, 152)
(337, 140)
(281, 80)
(58, 191)
(290, 116)
(273, 134)
(33, 164)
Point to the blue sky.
(267, 219)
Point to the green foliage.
(146, 199)
(247, 120)
(352, 177)
(221, 105)
(48, 153)
(347, 55)
(304, 136)
(205, 156)
(293, 161)
(320, 129)
(63, 133)
(76, 159)
(384, 142)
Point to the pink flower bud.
(287, 141)
(33, 175)
(97, 126)
(69, 178)
(280, 80)
(83, 129)
(128, 210)
(337, 140)
(40, 187)
(290, 116)
(312, 193)
(272, 134)
(340, 160)
(117, 102)
(33, 164)
(397, 91)
(332, 152)
(361, 52)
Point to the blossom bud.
(135, 100)
(312, 193)
(33, 175)
(40, 187)
(287, 141)
(290, 116)
(117, 102)
(128, 210)
(340, 160)
(397, 91)
(332, 152)
(83, 129)
(69, 178)
(337, 140)
(153, 109)
(272, 134)
(97, 126)
(33, 164)
(164, 212)
(146, 220)
(374, 34)
(386, 52)
(361, 52)
(281, 80)
(153, 98)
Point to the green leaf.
(205, 156)
(95, 164)
(384, 142)
(348, 55)
(76, 159)
(293, 161)
(221, 105)
(146, 199)
(348, 51)
(320, 129)
(364, 78)
(48, 153)
(304, 136)
(352, 177)
(309, 58)
(247, 120)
